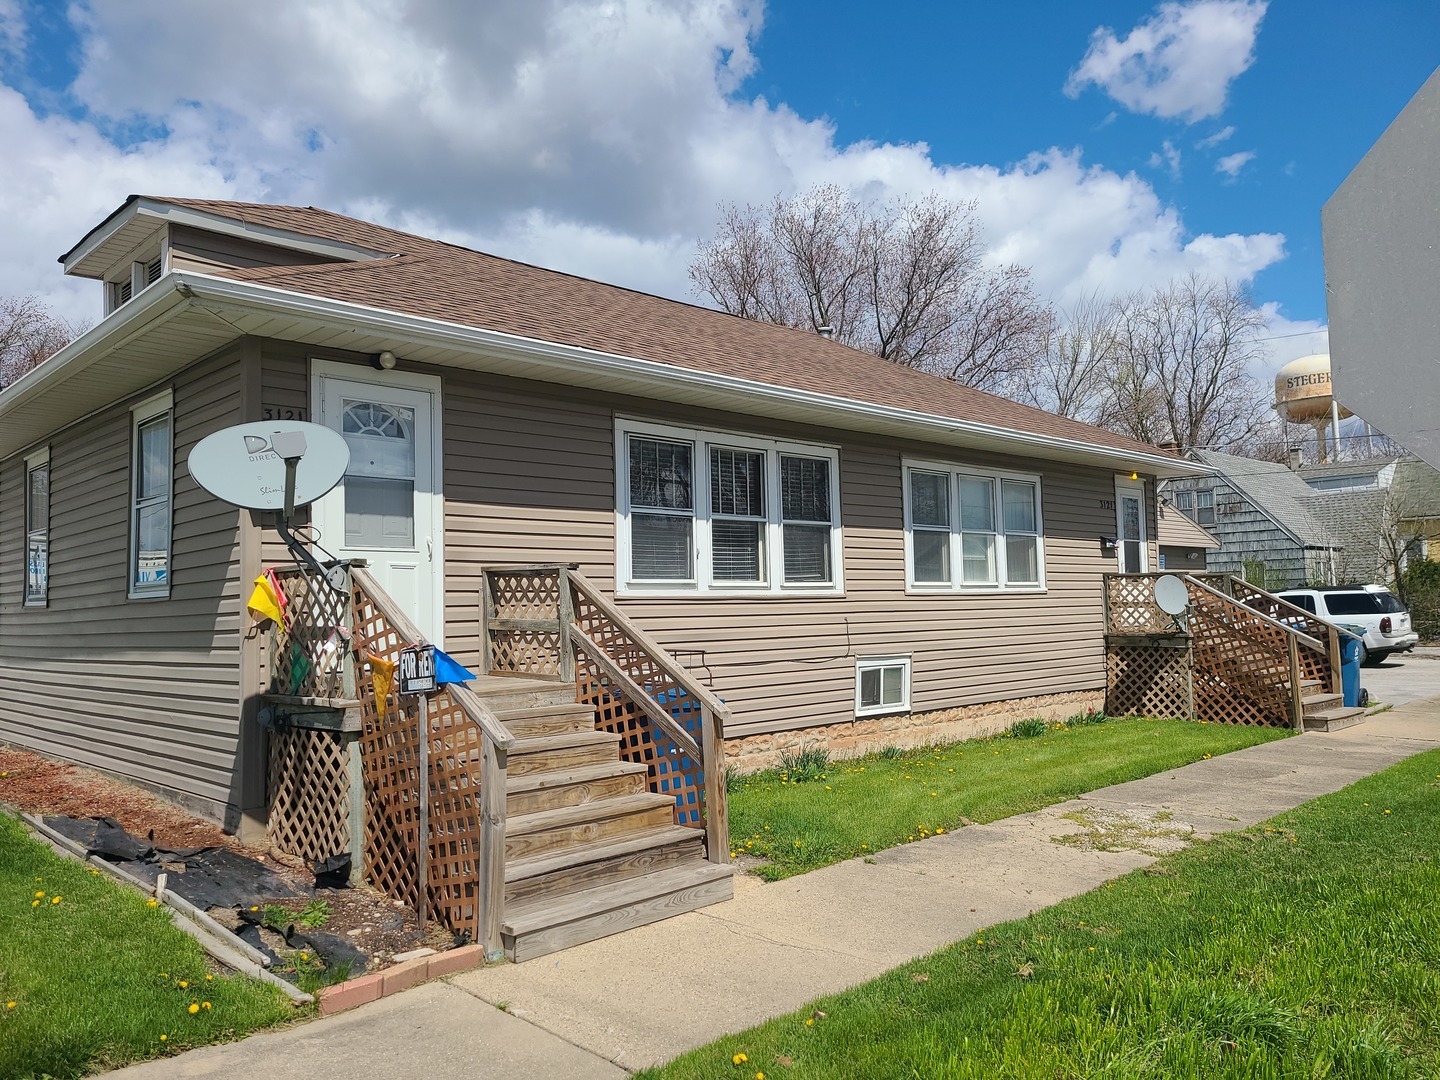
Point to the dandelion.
(41, 893)
(194, 1007)
(760, 1076)
(809, 1021)
(164, 974)
(938, 831)
(209, 978)
(9, 1004)
(164, 1037)
(152, 903)
(1387, 811)
(304, 956)
(34, 903)
(205, 1004)
(56, 899)
(739, 1059)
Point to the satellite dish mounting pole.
(290, 445)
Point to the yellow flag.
(382, 675)
(264, 602)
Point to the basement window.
(882, 685)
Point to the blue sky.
(1109, 145)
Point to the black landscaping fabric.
(207, 877)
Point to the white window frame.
(158, 405)
(703, 583)
(40, 459)
(997, 478)
(874, 663)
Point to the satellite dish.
(245, 465)
(1171, 596)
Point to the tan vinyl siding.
(147, 689)
(216, 253)
(529, 478)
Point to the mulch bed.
(376, 925)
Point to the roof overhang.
(139, 218)
(190, 314)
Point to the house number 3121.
(278, 412)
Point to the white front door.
(1130, 545)
(388, 509)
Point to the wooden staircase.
(1324, 711)
(589, 849)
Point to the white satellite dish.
(246, 465)
(1171, 596)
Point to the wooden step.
(566, 826)
(528, 793)
(570, 750)
(1310, 684)
(546, 925)
(589, 866)
(502, 692)
(1313, 703)
(548, 719)
(1333, 719)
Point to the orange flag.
(382, 676)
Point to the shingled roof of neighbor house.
(1275, 490)
(438, 280)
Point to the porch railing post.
(1337, 683)
(1297, 707)
(491, 856)
(717, 816)
(565, 612)
(487, 611)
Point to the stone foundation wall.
(853, 738)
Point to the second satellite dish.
(242, 465)
(1171, 596)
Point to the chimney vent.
(826, 331)
(1293, 458)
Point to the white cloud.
(1231, 164)
(1178, 63)
(1211, 141)
(595, 136)
(1168, 158)
(1289, 339)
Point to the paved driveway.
(1403, 677)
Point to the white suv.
(1386, 622)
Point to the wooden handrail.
(473, 706)
(636, 693)
(656, 652)
(1304, 639)
(1293, 607)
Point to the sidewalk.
(644, 996)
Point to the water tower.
(1303, 396)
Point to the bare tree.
(908, 282)
(1181, 371)
(1074, 363)
(29, 335)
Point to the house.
(1382, 259)
(1183, 545)
(836, 546)
(1258, 510)
(1384, 511)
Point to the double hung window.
(882, 685)
(1185, 503)
(712, 512)
(972, 529)
(1205, 507)
(152, 468)
(37, 528)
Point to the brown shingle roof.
(433, 279)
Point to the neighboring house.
(1184, 546)
(1257, 510)
(1382, 262)
(1383, 511)
(784, 513)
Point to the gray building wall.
(1246, 534)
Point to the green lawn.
(872, 803)
(1308, 947)
(93, 977)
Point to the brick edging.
(367, 988)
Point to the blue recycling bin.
(1350, 666)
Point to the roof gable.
(1273, 489)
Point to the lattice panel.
(1148, 680)
(310, 653)
(1241, 664)
(671, 771)
(1314, 664)
(525, 594)
(390, 751)
(454, 815)
(533, 652)
(309, 794)
(1130, 601)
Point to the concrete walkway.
(644, 996)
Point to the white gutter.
(151, 307)
(559, 358)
